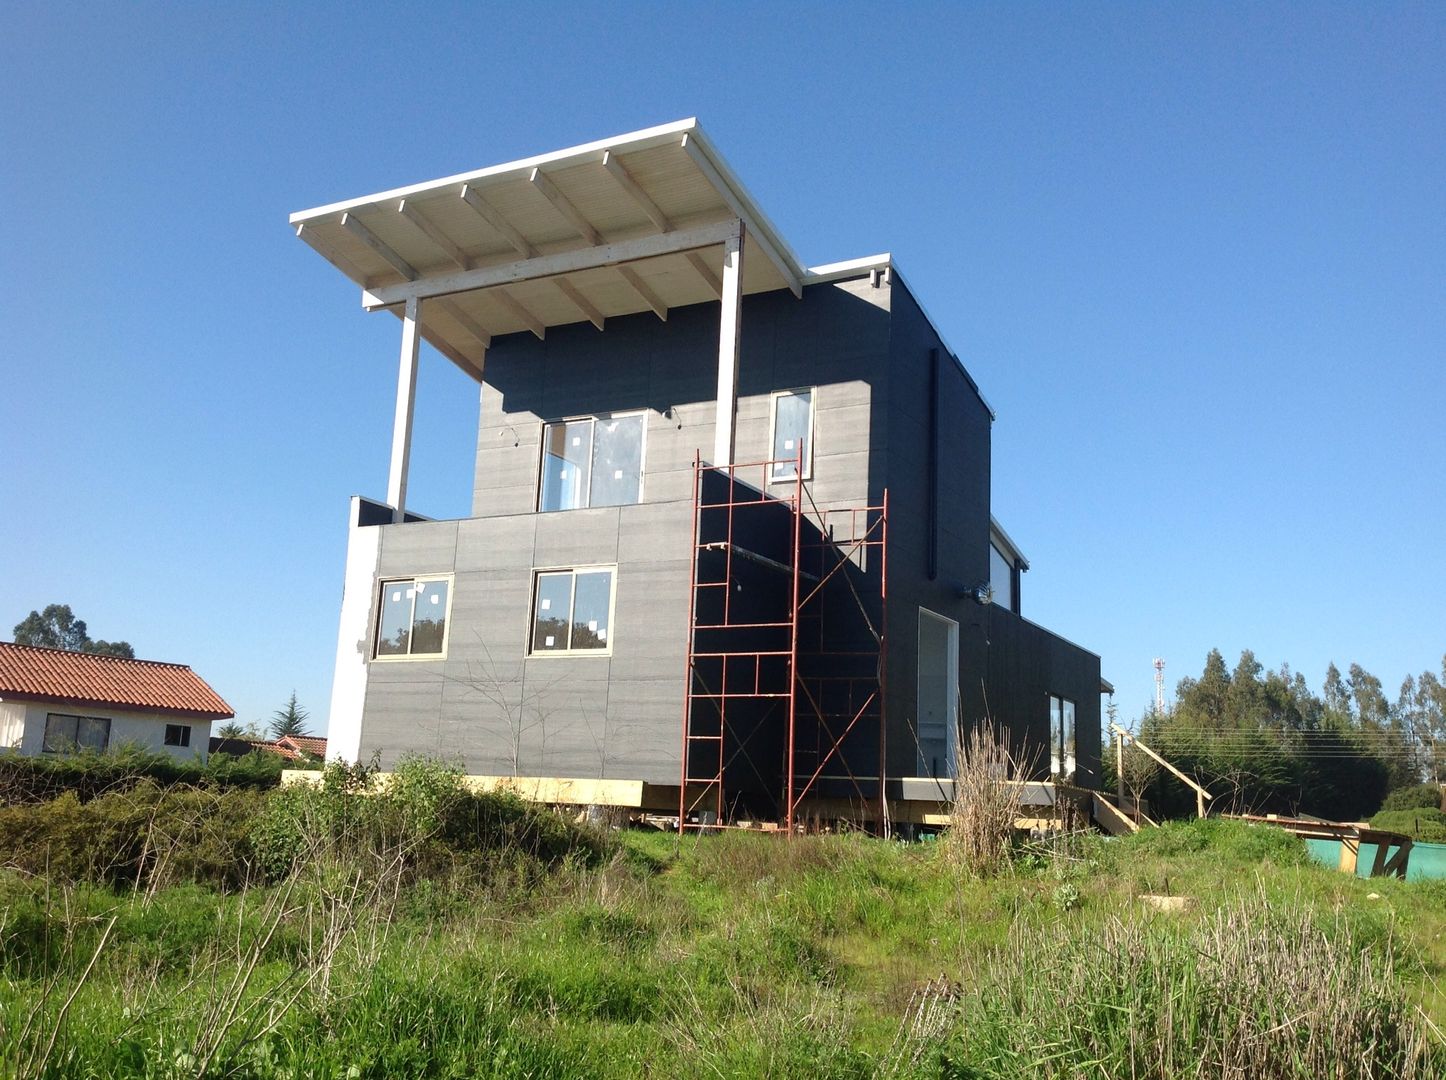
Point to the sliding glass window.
(572, 611)
(592, 461)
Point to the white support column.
(406, 395)
(729, 337)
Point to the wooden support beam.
(529, 320)
(354, 225)
(576, 298)
(490, 214)
(625, 181)
(562, 262)
(414, 214)
(706, 167)
(1200, 793)
(640, 287)
(466, 321)
(564, 206)
(730, 330)
(402, 418)
(705, 272)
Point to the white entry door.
(938, 701)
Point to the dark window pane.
(394, 629)
(178, 735)
(1066, 722)
(429, 619)
(59, 733)
(792, 428)
(566, 465)
(552, 612)
(92, 733)
(617, 461)
(590, 609)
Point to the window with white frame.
(1061, 737)
(572, 610)
(1001, 578)
(178, 735)
(413, 620)
(64, 733)
(792, 434)
(592, 461)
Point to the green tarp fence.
(1427, 860)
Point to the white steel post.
(406, 395)
(729, 336)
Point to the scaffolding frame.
(836, 540)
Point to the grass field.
(736, 955)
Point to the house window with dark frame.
(1001, 578)
(572, 611)
(792, 424)
(413, 620)
(592, 461)
(1062, 759)
(178, 735)
(65, 733)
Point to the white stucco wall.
(147, 730)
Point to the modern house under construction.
(730, 554)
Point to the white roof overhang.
(620, 226)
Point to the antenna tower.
(1159, 685)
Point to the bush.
(1427, 826)
(34, 780)
(1419, 797)
(1234, 842)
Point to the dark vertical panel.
(933, 508)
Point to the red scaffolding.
(815, 648)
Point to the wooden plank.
(625, 180)
(1110, 817)
(313, 240)
(1399, 861)
(562, 262)
(705, 272)
(1378, 864)
(402, 418)
(1350, 851)
(564, 206)
(576, 298)
(1200, 793)
(640, 287)
(429, 229)
(706, 167)
(553, 790)
(490, 214)
(354, 225)
(531, 321)
(466, 321)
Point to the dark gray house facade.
(652, 361)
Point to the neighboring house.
(290, 747)
(54, 701)
(730, 526)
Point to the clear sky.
(1195, 255)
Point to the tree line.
(1264, 742)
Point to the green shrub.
(1419, 797)
(1425, 825)
(1235, 842)
(89, 775)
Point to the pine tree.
(290, 720)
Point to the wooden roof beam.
(705, 272)
(564, 207)
(561, 262)
(529, 320)
(640, 287)
(465, 321)
(625, 181)
(569, 290)
(489, 213)
(354, 225)
(755, 237)
(327, 252)
(444, 244)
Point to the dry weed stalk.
(986, 801)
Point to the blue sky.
(1194, 255)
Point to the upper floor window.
(792, 434)
(413, 620)
(1061, 737)
(592, 461)
(64, 733)
(572, 610)
(1001, 578)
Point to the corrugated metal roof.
(77, 678)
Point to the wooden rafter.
(576, 298)
(490, 214)
(428, 229)
(625, 181)
(354, 225)
(529, 320)
(705, 272)
(640, 287)
(564, 206)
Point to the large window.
(1061, 737)
(64, 733)
(413, 623)
(792, 434)
(572, 611)
(1001, 578)
(593, 461)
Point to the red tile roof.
(77, 678)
